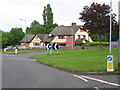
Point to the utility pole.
(119, 30)
(110, 60)
(25, 30)
(110, 47)
(72, 39)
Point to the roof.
(48, 38)
(65, 30)
(28, 38)
(43, 37)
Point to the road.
(18, 71)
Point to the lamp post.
(110, 50)
(119, 30)
(72, 38)
(25, 29)
(110, 61)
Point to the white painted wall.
(57, 40)
(81, 34)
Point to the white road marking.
(80, 78)
(114, 84)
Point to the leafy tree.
(34, 23)
(47, 16)
(28, 30)
(16, 35)
(5, 39)
(39, 29)
(96, 18)
(48, 30)
(44, 16)
(115, 33)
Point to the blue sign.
(50, 46)
(110, 58)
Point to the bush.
(79, 42)
(96, 44)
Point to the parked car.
(38, 47)
(10, 48)
(21, 47)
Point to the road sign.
(55, 46)
(110, 63)
(50, 46)
(47, 46)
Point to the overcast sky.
(65, 11)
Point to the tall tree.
(96, 18)
(44, 16)
(47, 16)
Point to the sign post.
(50, 47)
(110, 63)
(47, 47)
(55, 46)
(110, 67)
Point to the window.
(61, 36)
(81, 36)
(36, 44)
(70, 36)
(78, 36)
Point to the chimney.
(73, 24)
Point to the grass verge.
(79, 60)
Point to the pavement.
(19, 71)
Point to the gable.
(28, 38)
(36, 39)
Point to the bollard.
(5, 50)
(16, 51)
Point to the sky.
(65, 11)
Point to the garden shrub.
(96, 44)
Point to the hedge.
(96, 44)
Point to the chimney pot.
(73, 24)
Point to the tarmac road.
(18, 71)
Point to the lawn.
(79, 60)
(24, 51)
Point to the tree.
(16, 35)
(5, 39)
(44, 16)
(38, 29)
(96, 18)
(47, 16)
(115, 33)
(34, 23)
